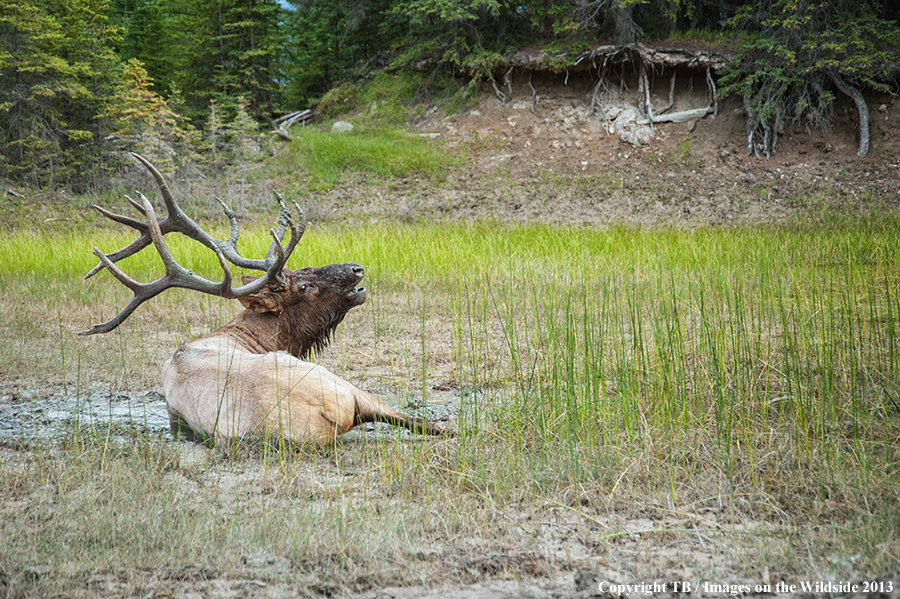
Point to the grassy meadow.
(689, 404)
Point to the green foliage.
(77, 85)
(340, 99)
(144, 123)
(379, 144)
(148, 37)
(56, 63)
(793, 52)
(68, 84)
(208, 49)
(384, 99)
(468, 36)
(327, 158)
(329, 42)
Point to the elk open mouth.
(356, 296)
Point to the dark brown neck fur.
(267, 332)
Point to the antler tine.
(138, 244)
(141, 294)
(172, 208)
(176, 220)
(297, 230)
(232, 220)
(277, 255)
(119, 218)
(273, 259)
(284, 222)
(136, 204)
(229, 246)
(132, 248)
(153, 231)
(129, 250)
(176, 276)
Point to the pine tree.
(225, 49)
(147, 35)
(56, 71)
(144, 122)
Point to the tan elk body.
(249, 378)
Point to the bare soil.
(544, 158)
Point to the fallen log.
(301, 116)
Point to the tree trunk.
(861, 107)
(626, 30)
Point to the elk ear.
(262, 302)
(265, 300)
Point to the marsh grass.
(743, 383)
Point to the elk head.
(299, 315)
(321, 295)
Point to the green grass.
(745, 379)
(327, 157)
(380, 145)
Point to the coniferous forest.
(83, 80)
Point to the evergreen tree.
(147, 35)
(56, 70)
(330, 40)
(144, 122)
(225, 49)
(469, 35)
(89, 47)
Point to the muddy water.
(40, 415)
(27, 416)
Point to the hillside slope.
(543, 156)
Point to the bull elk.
(249, 378)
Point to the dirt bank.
(546, 158)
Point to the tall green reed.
(633, 342)
(575, 344)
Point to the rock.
(626, 128)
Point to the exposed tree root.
(711, 86)
(759, 129)
(671, 103)
(533, 96)
(595, 97)
(861, 107)
(504, 98)
(644, 104)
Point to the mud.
(34, 416)
(31, 415)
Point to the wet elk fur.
(249, 378)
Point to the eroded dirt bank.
(549, 160)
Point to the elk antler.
(153, 230)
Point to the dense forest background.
(83, 80)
